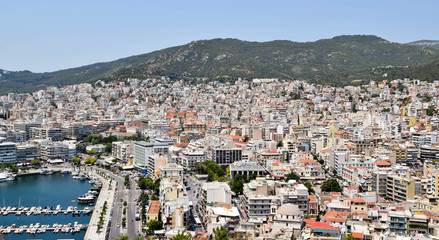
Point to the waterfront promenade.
(106, 194)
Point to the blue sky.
(51, 35)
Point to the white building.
(214, 192)
(8, 152)
(171, 170)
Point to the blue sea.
(43, 190)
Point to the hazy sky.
(51, 35)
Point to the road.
(193, 183)
(129, 195)
(193, 194)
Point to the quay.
(105, 195)
(42, 172)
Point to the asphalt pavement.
(130, 195)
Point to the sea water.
(43, 190)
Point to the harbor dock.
(38, 229)
(46, 211)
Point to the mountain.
(426, 43)
(335, 61)
(427, 72)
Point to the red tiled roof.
(382, 163)
(323, 225)
(358, 235)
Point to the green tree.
(14, 168)
(252, 176)
(292, 176)
(127, 180)
(212, 169)
(80, 148)
(349, 237)
(309, 186)
(220, 233)
(76, 160)
(245, 138)
(108, 147)
(122, 238)
(431, 111)
(124, 221)
(35, 162)
(331, 185)
(237, 184)
(279, 144)
(182, 236)
(154, 225)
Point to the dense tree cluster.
(213, 170)
(331, 185)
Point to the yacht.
(86, 198)
(4, 176)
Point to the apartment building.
(379, 182)
(295, 194)
(8, 152)
(400, 187)
(226, 156)
(122, 151)
(190, 159)
(52, 133)
(27, 152)
(214, 192)
(143, 149)
(54, 151)
(246, 168)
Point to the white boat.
(5, 176)
(86, 198)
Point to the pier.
(46, 211)
(38, 229)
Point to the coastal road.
(129, 195)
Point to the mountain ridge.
(337, 60)
(426, 43)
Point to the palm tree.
(182, 236)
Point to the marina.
(39, 229)
(46, 205)
(26, 211)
